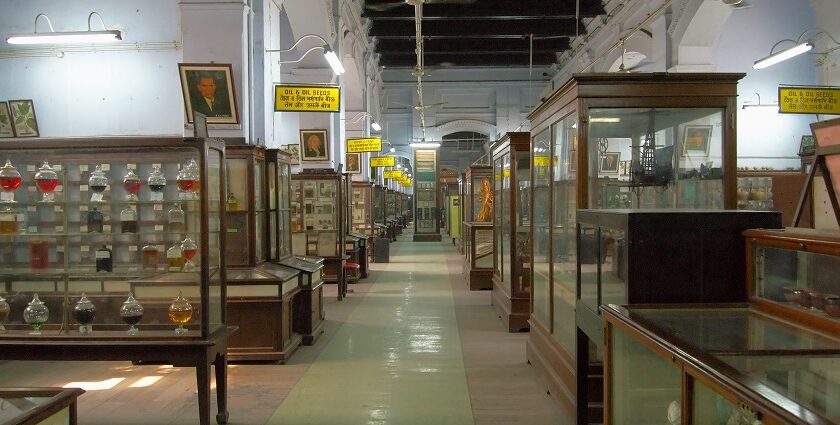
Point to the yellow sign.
(809, 100)
(297, 98)
(406, 183)
(506, 173)
(541, 161)
(372, 144)
(382, 161)
(393, 174)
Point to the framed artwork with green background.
(23, 118)
(6, 127)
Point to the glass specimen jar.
(131, 313)
(84, 312)
(95, 221)
(157, 183)
(104, 259)
(128, 220)
(8, 221)
(188, 180)
(180, 313)
(97, 182)
(36, 314)
(4, 313)
(188, 250)
(9, 182)
(131, 184)
(149, 257)
(47, 180)
(176, 219)
(175, 258)
(39, 254)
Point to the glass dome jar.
(188, 180)
(131, 184)
(97, 182)
(157, 183)
(189, 249)
(180, 313)
(47, 180)
(36, 314)
(4, 313)
(84, 312)
(128, 220)
(176, 219)
(131, 313)
(9, 182)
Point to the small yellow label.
(382, 161)
(542, 161)
(300, 98)
(393, 174)
(371, 144)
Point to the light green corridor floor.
(397, 359)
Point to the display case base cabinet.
(265, 328)
(513, 311)
(432, 237)
(197, 353)
(479, 280)
(557, 374)
(333, 269)
(308, 311)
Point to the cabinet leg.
(202, 372)
(221, 388)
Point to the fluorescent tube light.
(332, 58)
(393, 149)
(65, 37)
(784, 55)
(605, 119)
(424, 144)
(375, 126)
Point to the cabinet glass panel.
(522, 250)
(318, 212)
(499, 201)
(214, 240)
(483, 249)
(236, 218)
(564, 153)
(541, 146)
(379, 205)
(273, 231)
(482, 199)
(590, 255)
(284, 205)
(259, 208)
(506, 219)
(656, 158)
(643, 386)
(713, 409)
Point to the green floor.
(397, 359)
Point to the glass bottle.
(188, 250)
(4, 313)
(128, 220)
(177, 219)
(175, 258)
(157, 183)
(104, 259)
(180, 313)
(150, 257)
(188, 180)
(9, 182)
(97, 182)
(47, 180)
(131, 184)
(94, 221)
(36, 314)
(131, 313)
(39, 254)
(8, 221)
(84, 312)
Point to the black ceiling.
(476, 32)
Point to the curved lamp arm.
(298, 42)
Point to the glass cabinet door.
(273, 231)
(541, 146)
(259, 210)
(564, 253)
(498, 217)
(238, 208)
(285, 215)
(521, 249)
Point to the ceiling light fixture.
(375, 126)
(750, 104)
(424, 144)
(329, 53)
(393, 149)
(605, 119)
(799, 48)
(67, 37)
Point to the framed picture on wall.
(352, 161)
(6, 127)
(696, 140)
(208, 88)
(609, 163)
(23, 118)
(314, 145)
(294, 151)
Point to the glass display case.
(512, 229)
(476, 209)
(317, 222)
(362, 207)
(95, 219)
(391, 212)
(478, 246)
(379, 216)
(639, 140)
(39, 406)
(279, 174)
(717, 364)
(426, 196)
(308, 305)
(771, 190)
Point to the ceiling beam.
(488, 9)
(538, 27)
(476, 59)
(477, 44)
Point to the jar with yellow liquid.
(180, 313)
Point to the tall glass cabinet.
(477, 234)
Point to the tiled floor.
(411, 346)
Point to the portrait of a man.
(609, 163)
(353, 160)
(696, 140)
(314, 145)
(209, 89)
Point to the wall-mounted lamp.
(751, 104)
(424, 144)
(67, 37)
(373, 124)
(329, 53)
(799, 48)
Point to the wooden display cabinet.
(95, 238)
(641, 141)
(477, 211)
(511, 230)
(362, 203)
(39, 406)
(259, 292)
(459, 242)
(478, 245)
(308, 308)
(427, 202)
(391, 213)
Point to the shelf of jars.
(767, 189)
(82, 221)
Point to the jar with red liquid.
(131, 184)
(9, 182)
(39, 254)
(189, 249)
(47, 180)
(187, 180)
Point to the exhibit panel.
(279, 209)
(362, 207)
(426, 196)
(317, 225)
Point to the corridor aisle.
(397, 359)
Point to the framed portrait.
(314, 145)
(6, 127)
(208, 88)
(609, 163)
(294, 151)
(23, 118)
(696, 140)
(352, 163)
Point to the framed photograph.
(6, 127)
(352, 163)
(314, 145)
(806, 144)
(208, 88)
(23, 118)
(696, 140)
(609, 163)
(294, 151)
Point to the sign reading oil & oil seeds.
(370, 144)
(382, 161)
(809, 100)
(299, 98)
